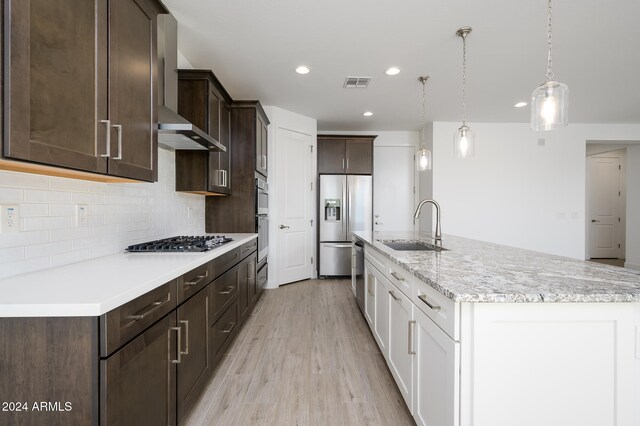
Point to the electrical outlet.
(82, 215)
(10, 219)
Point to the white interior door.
(294, 189)
(604, 216)
(393, 193)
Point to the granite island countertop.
(477, 271)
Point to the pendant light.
(423, 156)
(464, 140)
(550, 101)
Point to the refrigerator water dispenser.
(332, 208)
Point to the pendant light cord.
(424, 111)
(549, 30)
(464, 79)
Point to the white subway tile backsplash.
(24, 180)
(48, 249)
(11, 254)
(119, 215)
(11, 195)
(38, 195)
(41, 223)
(33, 210)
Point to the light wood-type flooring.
(305, 356)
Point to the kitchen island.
(483, 334)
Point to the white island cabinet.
(505, 347)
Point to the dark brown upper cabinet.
(249, 143)
(345, 154)
(79, 88)
(203, 100)
(261, 146)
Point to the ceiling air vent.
(356, 82)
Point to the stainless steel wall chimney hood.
(174, 131)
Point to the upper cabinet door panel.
(132, 48)
(214, 114)
(359, 154)
(331, 156)
(56, 83)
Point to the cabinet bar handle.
(251, 271)
(119, 130)
(410, 348)
(347, 163)
(227, 290)
(429, 304)
(198, 278)
(178, 360)
(228, 330)
(396, 298)
(264, 158)
(397, 277)
(149, 309)
(343, 164)
(186, 337)
(108, 138)
(369, 286)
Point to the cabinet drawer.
(263, 275)
(223, 291)
(401, 278)
(248, 248)
(442, 310)
(225, 262)
(224, 329)
(376, 259)
(127, 321)
(193, 281)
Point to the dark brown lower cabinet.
(247, 282)
(143, 363)
(194, 368)
(224, 330)
(138, 382)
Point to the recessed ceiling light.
(520, 104)
(367, 113)
(392, 71)
(303, 69)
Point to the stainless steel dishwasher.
(357, 274)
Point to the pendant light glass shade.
(423, 160)
(550, 106)
(550, 100)
(464, 143)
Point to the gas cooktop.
(180, 244)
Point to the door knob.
(595, 220)
(283, 227)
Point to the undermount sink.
(410, 245)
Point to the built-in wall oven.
(262, 218)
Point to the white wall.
(119, 215)
(283, 119)
(633, 207)
(515, 192)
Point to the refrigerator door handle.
(345, 216)
(343, 245)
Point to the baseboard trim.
(632, 266)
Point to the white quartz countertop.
(94, 287)
(477, 271)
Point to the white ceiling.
(253, 46)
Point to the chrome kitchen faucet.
(438, 237)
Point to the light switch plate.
(10, 219)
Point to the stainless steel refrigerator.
(345, 206)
